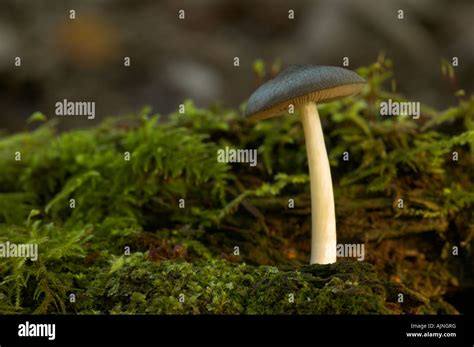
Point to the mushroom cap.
(299, 84)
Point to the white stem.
(323, 219)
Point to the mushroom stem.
(323, 219)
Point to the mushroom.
(302, 86)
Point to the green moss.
(135, 203)
(131, 284)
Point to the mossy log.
(135, 285)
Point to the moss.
(135, 203)
(133, 285)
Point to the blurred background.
(173, 59)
